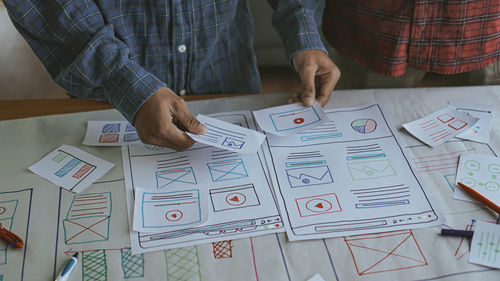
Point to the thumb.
(190, 122)
(308, 91)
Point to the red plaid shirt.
(445, 37)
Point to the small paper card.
(71, 168)
(481, 173)
(110, 133)
(480, 131)
(160, 210)
(440, 126)
(228, 136)
(485, 245)
(290, 119)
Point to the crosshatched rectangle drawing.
(94, 266)
(288, 120)
(384, 252)
(227, 170)
(129, 137)
(177, 175)
(222, 249)
(233, 197)
(88, 218)
(111, 128)
(109, 138)
(132, 265)
(318, 205)
(171, 208)
(365, 170)
(308, 176)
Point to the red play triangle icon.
(235, 199)
(174, 215)
(319, 205)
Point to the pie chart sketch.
(364, 126)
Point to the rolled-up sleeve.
(82, 53)
(297, 22)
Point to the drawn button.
(235, 199)
(298, 120)
(173, 215)
(318, 205)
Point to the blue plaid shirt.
(123, 51)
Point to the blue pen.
(64, 274)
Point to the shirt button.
(183, 92)
(182, 48)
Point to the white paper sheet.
(481, 173)
(480, 131)
(290, 119)
(347, 180)
(110, 133)
(240, 200)
(485, 245)
(173, 209)
(228, 136)
(71, 168)
(440, 126)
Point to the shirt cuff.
(130, 87)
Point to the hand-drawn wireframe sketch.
(479, 132)
(485, 244)
(440, 126)
(366, 170)
(227, 170)
(15, 214)
(326, 130)
(384, 252)
(88, 218)
(318, 205)
(240, 194)
(364, 126)
(110, 133)
(183, 264)
(227, 198)
(309, 176)
(175, 176)
(372, 187)
(222, 249)
(132, 265)
(94, 266)
(155, 210)
(290, 119)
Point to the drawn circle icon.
(492, 186)
(318, 205)
(472, 165)
(494, 168)
(235, 199)
(468, 182)
(306, 181)
(2, 210)
(364, 126)
(173, 215)
(298, 120)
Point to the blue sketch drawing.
(88, 218)
(68, 167)
(364, 170)
(7, 212)
(177, 175)
(227, 170)
(169, 209)
(111, 128)
(132, 265)
(308, 176)
(292, 119)
(130, 128)
(130, 137)
(233, 143)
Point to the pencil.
(479, 197)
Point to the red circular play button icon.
(173, 215)
(318, 205)
(235, 199)
(298, 120)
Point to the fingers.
(188, 121)
(293, 98)
(326, 85)
(308, 92)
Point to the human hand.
(163, 118)
(318, 76)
